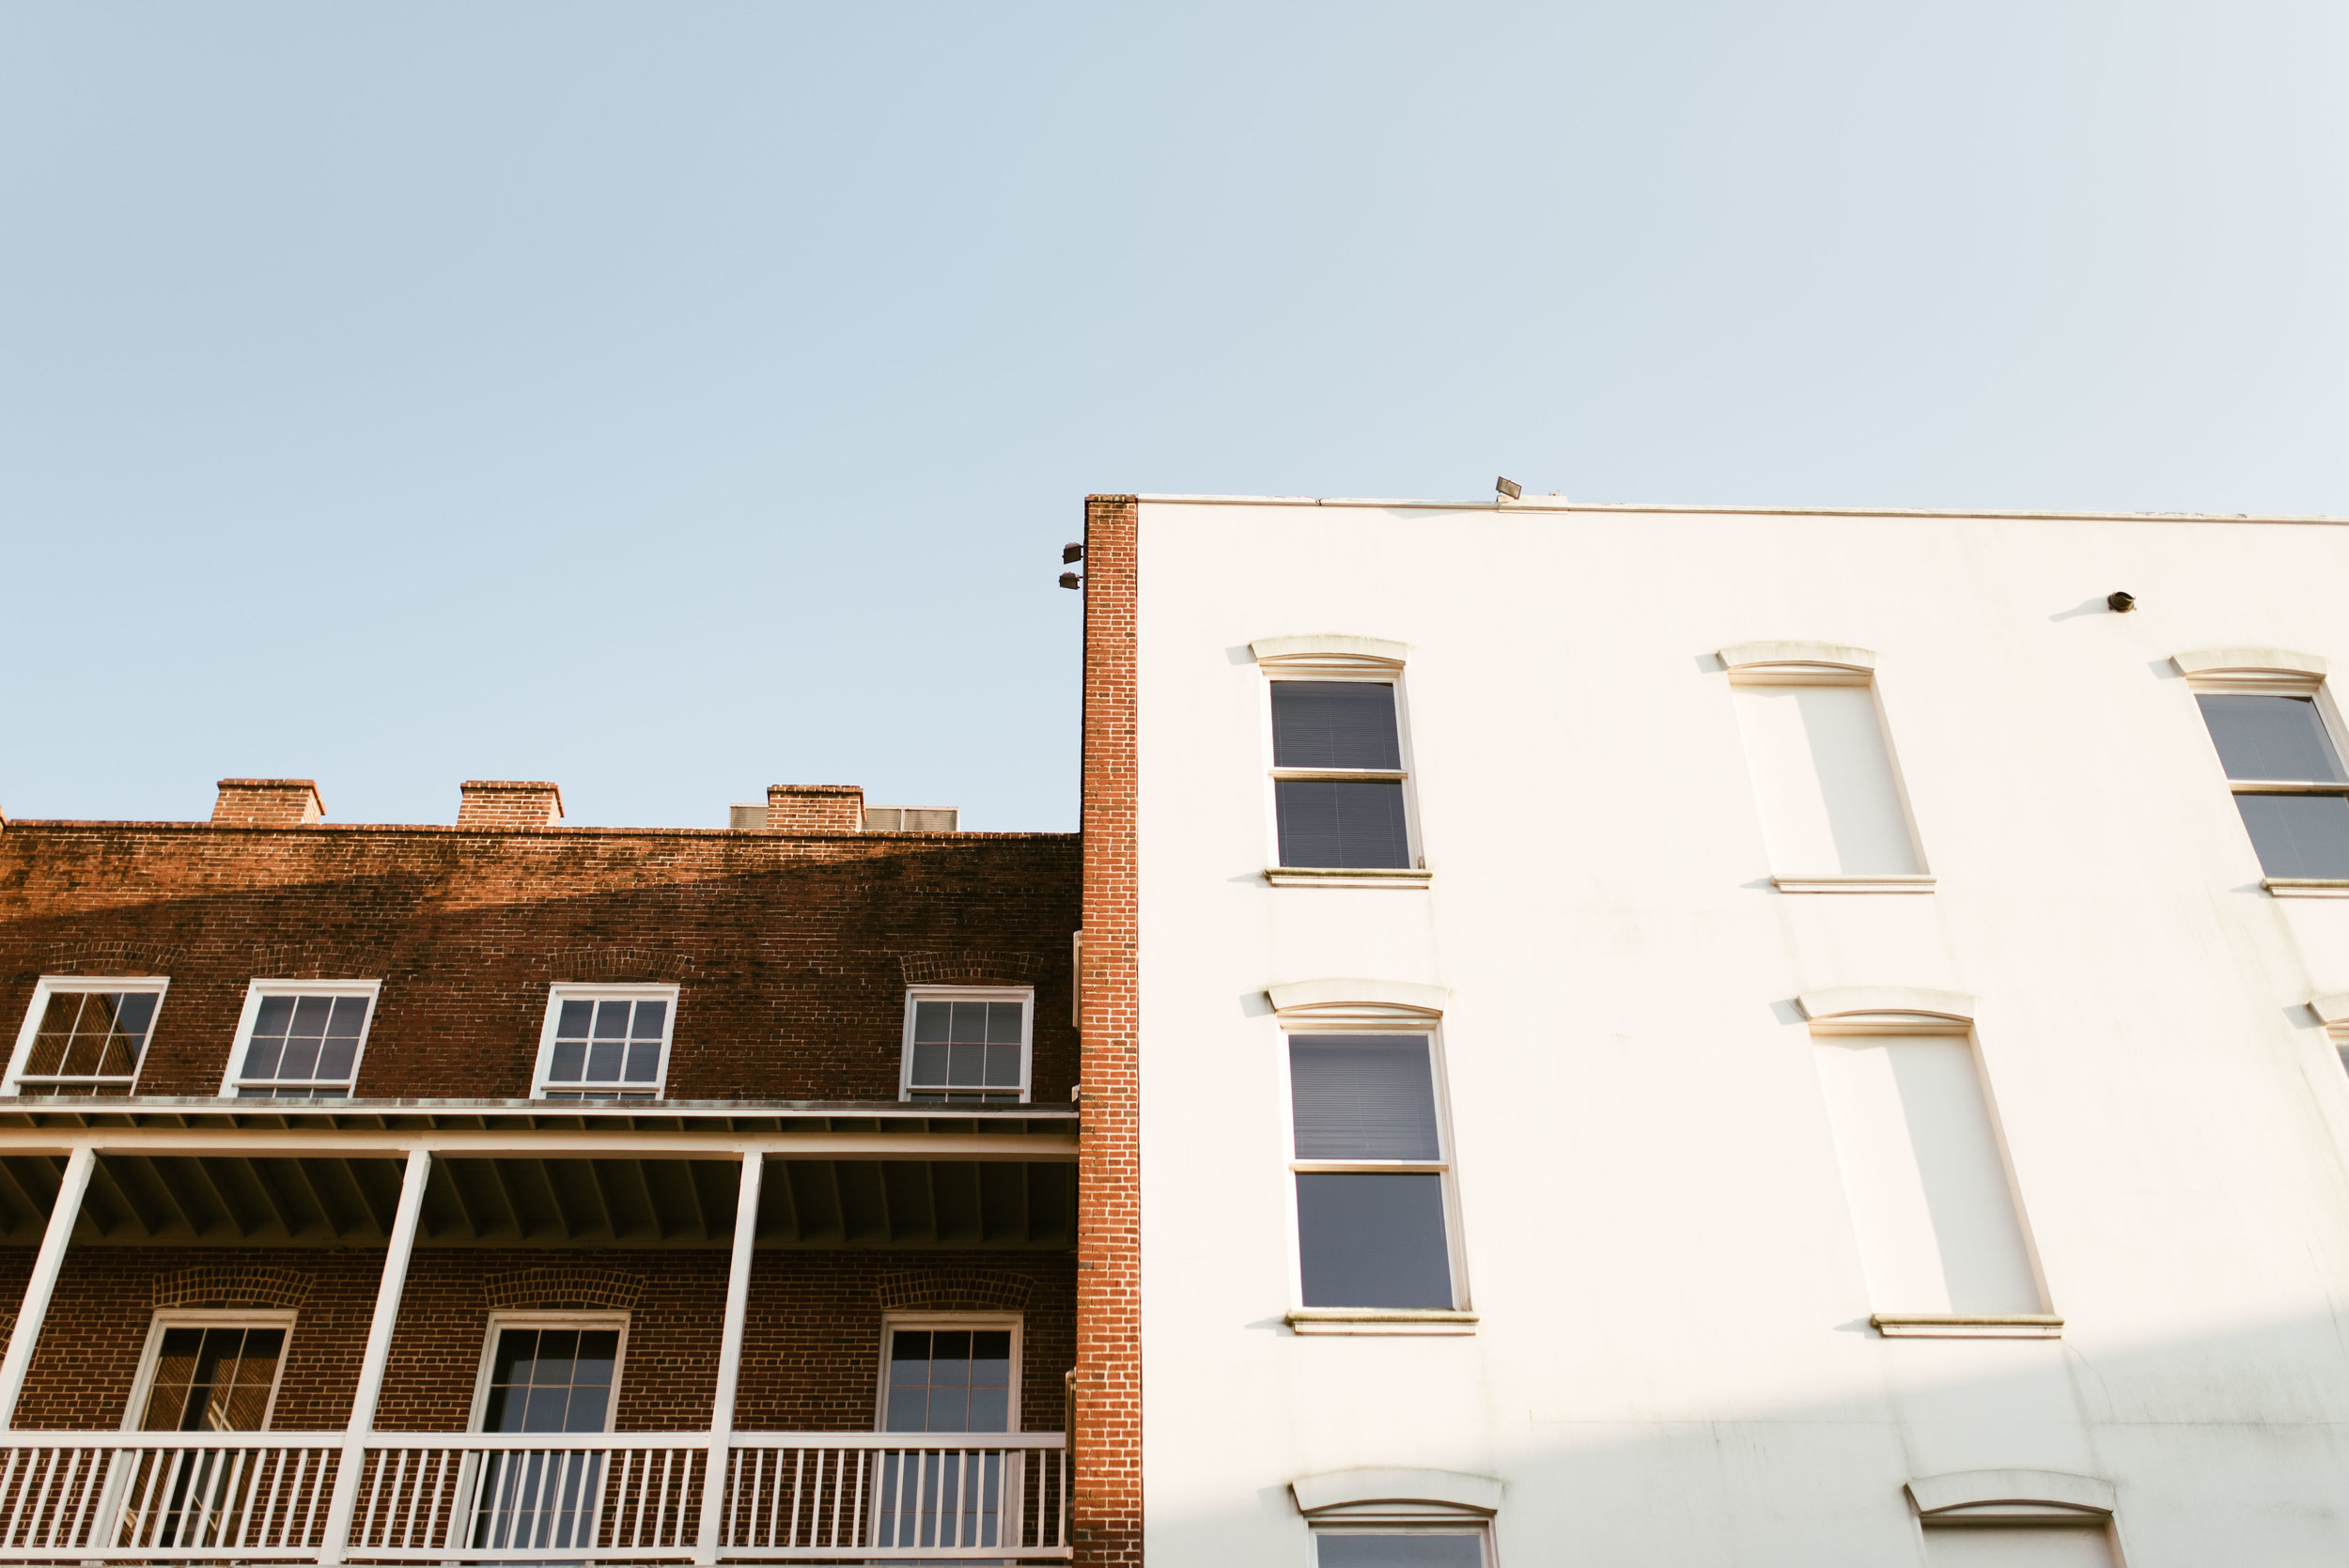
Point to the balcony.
(622, 1498)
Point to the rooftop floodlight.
(1071, 552)
(1070, 580)
(1509, 489)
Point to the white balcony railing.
(621, 1497)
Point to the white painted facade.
(1664, 1169)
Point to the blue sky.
(671, 400)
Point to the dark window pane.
(135, 1012)
(1341, 824)
(966, 1066)
(274, 1014)
(1371, 1239)
(1002, 1066)
(2271, 737)
(310, 1015)
(970, 1023)
(604, 1061)
(909, 1409)
(336, 1059)
(644, 1062)
(349, 1013)
(2299, 835)
(612, 1020)
(1003, 1023)
(1362, 1098)
(930, 1021)
(991, 1409)
(574, 1019)
(929, 1064)
(1422, 1550)
(301, 1058)
(1333, 723)
(568, 1061)
(649, 1017)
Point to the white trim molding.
(1346, 998)
(2277, 660)
(1450, 1490)
(2331, 1010)
(1968, 1325)
(1855, 882)
(1796, 656)
(1345, 877)
(1380, 1320)
(1879, 1009)
(1331, 651)
(2034, 1497)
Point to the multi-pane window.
(301, 1041)
(1337, 775)
(963, 1044)
(541, 1377)
(943, 1378)
(86, 1036)
(1373, 1226)
(211, 1377)
(2287, 777)
(606, 1043)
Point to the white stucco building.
(1763, 1037)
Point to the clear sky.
(673, 399)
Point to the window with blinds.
(2287, 779)
(1338, 775)
(1372, 1174)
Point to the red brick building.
(516, 1190)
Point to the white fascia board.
(1472, 1494)
(1840, 999)
(1306, 995)
(1834, 655)
(1969, 1489)
(1323, 645)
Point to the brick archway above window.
(618, 966)
(111, 958)
(563, 1289)
(319, 961)
(962, 1290)
(232, 1285)
(932, 969)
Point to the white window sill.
(1950, 1325)
(1839, 883)
(1314, 876)
(1380, 1320)
(2307, 887)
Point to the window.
(605, 1043)
(2014, 1518)
(299, 1039)
(956, 1374)
(967, 1043)
(1372, 1177)
(2287, 779)
(1338, 775)
(84, 1036)
(1457, 1547)
(545, 1372)
(1833, 814)
(208, 1372)
(1941, 1234)
(2018, 1547)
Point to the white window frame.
(891, 1322)
(2215, 675)
(502, 1319)
(255, 991)
(150, 1355)
(562, 991)
(1361, 661)
(56, 985)
(1024, 995)
(1460, 1317)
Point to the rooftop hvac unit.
(912, 819)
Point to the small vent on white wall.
(912, 819)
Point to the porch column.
(729, 1361)
(43, 1284)
(379, 1351)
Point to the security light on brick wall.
(1070, 580)
(1071, 552)
(1509, 489)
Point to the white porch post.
(378, 1351)
(729, 1359)
(43, 1284)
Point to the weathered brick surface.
(793, 951)
(815, 808)
(508, 803)
(811, 1349)
(267, 803)
(1107, 1417)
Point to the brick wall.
(508, 803)
(793, 951)
(1108, 1429)
(811, 1356)
(815, 808)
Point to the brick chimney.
(815, 808)
(268, 803)
(508, 804)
